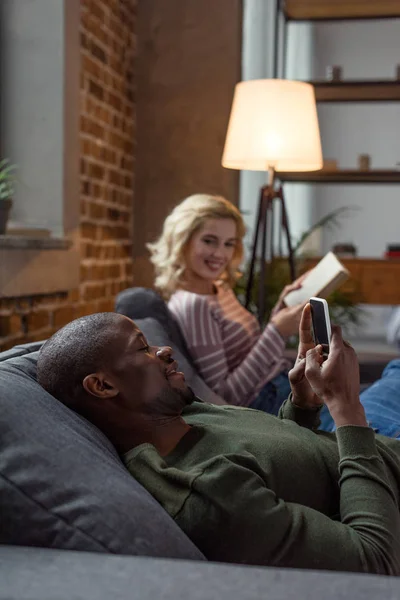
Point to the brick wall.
(107, 132)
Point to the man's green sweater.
(247, 487)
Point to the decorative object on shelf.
(331, 90)
(330, 164)
(273, 127)
(334, 73)
(7, 187)
(364, 162)
(344, 250)
(393, 251)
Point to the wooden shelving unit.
(325, 10)
(383, 90)
(342, 176)
(372, 279)
(357, 90)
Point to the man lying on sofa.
(245, 486)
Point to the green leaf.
(7, 179)
(330, 221)
(344, 307)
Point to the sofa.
(75, 524)
(41, 574)
(151, 313)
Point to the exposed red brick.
(96, 171)
(98, 52)
(94, 291)
(63, 315)
(8, 342)
(87, 308)
(47, 301)
(10, 325)
(97, 211)
(105, 306)
(88, 230)
(38, 336)
(39, 319)
(91, 67)
(107, 129)
(73, 296)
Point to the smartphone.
(321, 323)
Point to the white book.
(321, 281)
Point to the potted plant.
(7, 187)
(343, 305)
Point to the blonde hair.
(168, 252)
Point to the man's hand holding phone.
(333, 378)
(336, 380)
(302, 393)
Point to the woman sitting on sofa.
(196, 260)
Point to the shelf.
(373, 280)
(328, 10)
(342, 176)
(357, 91)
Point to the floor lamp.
(273, 127)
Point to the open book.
(321, 281)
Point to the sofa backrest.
(139, 303)
(157, 336)
(151, 314)
(62, 484)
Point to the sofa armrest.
(28, 573)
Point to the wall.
(107, 131)
(257, 63)
(189, 54)
(300, 198)
(368, 49)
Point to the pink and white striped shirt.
(234, 358)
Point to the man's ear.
(97, 385)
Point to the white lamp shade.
(273, 123)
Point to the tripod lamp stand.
(273, 127)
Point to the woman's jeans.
(271, 397)
(381, 403)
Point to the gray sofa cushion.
(142, 303)
(62, 484)
(20, 350)
(151, 314)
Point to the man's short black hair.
(76, 350)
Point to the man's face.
(147, 376)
